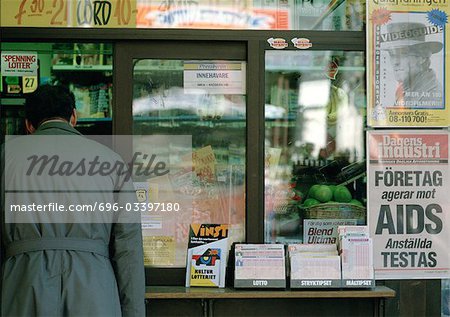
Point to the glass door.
(194, 96)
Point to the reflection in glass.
(253, 14)
(314, 120)
(328, 15)
(163, 104)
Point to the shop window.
(86, 68)
(314, 142)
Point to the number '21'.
(37, 7)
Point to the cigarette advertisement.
(409, 203)
(323, 230)
(406, 63)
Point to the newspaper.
(409, 201)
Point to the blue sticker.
(437, 17)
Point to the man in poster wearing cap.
(410, 57)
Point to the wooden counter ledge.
(179, 292)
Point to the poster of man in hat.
(418, 83)
(407, 69)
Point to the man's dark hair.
(49, 102)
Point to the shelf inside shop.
(293, 68)
(157, 68)
(14, 102)
(290, 117)
(82, 67)
(87, 120)
(190, 118)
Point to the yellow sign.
(29, 83)
(65, 13)
(159, 250)
(204, 162)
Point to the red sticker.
(277, 43)
(301, 43)
(380, 16)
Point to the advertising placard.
(64, 13)
(19, 72)
(19, 63)
(406, 63)
(203, 14)
(323, 230)
(200, 14)
(207, 255)
(409, 203)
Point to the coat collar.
(60, 125)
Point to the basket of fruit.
(332, 202)
(336, 211)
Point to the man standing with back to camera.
(63, 263)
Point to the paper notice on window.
(159, 250)
(19, 64)
(214, 77)
(204, 162)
